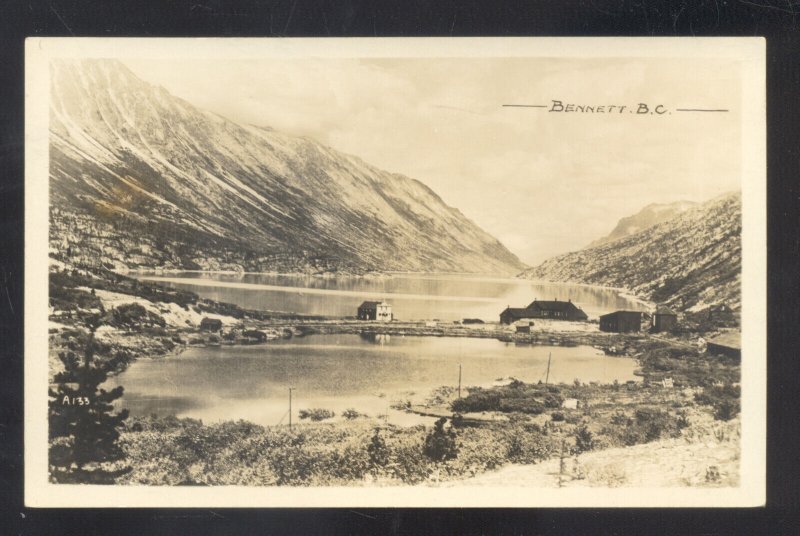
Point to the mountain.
(687, 262)
(647, 217)
(141, 178)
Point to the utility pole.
(290, 407)
(459, 380)
(549, 356)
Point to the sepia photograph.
(395, 272)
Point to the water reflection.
(413, 296)
(337, 372)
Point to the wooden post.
(290, 407)
(459, 380)
(547, 378)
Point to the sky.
(542, 182)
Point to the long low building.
(621, 322)
(554, 310)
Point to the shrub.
(654, 423)
(726, 410)
(584, 440)
(526, 444)
(557, 416)
(516, 397)
(440, 444)
(377, 451)
(316, 414)
(134, 316)
(351, 414)
(725, 401)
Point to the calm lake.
(337, 372)
(412, 296)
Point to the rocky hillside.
(140, 178)
(647, 217)
(690, 261)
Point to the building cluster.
(663, 319)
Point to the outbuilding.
(621, 321)
(664, 319)
(728, 344)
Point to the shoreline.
(621, 291)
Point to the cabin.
(553, 310)
(728, 344)
(210, 324)
(621, 322)
(375, 310)
(664, 319)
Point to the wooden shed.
(621, 321)
(664, 319)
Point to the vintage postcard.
(395, 272)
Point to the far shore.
(623, 292)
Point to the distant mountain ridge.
(650, 215)
(688, 262)
(142, 179)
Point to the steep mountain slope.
(142, 178)
(647, 217)
(690, 260)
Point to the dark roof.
(563, 306)
(515, 311)
(615, 313)
(664, 310)
(369, 304)
(732, 339)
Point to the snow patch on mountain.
(143, 164)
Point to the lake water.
(337, 372)
(412, 296)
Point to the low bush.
(725, 401)
(644, 426)
(135, 317)
(516, 397)
(351, 414)
(316, 414)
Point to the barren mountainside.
(689, 261)
(647, 217)
(141, 178)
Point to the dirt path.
(669, 463)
